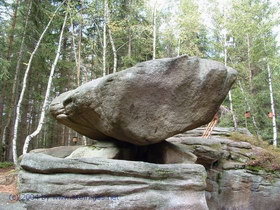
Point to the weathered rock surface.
(175, 182)
(98, 183)
(147, 103)
(231, 183)
(61, 151)
(217, 131)
(160, 153)
(243, 190)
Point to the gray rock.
(147, 103)
(242, 145)
(218, 131)
(232, 165)
(61, 151)
(89, 183)
(95, 152)
(213, 142)
(238, 189)
(7, 202)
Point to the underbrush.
(267, 159)
(6, 164)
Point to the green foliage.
(181, 29)
(267, 159)
(6, 164)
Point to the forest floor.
(8, 190)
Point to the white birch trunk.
(112, 40)
(274, 126)
(249, 107)
(74, 43)
(179, 47)
(229, 93)
(104, 37)
(114, 51)
(80, 45)
(43, 111)
(249, 61)
(14, 88)
(24, 83)
(154, 30)
(79, 58)
(232, 111)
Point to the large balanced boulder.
(147, 103)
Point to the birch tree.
(249, 107)
(274, 126)
(111, 39)
(47, 95)
(229, 93)
(271, 94)
(15, 81)
(10, 43)
(104, 37)
(154, 30)
(24, 83)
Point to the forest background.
(103, 37)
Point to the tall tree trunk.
(43, 111)
(229, 93)
(74, 43)
(80, 45)
(7, 127)
(104, 37)
(154, 30)
(4, 84)
(129, 44)
(18, 107)
(249, 108)
(179, 47)
(272, 104)
(249, 62)
(232, 111)
(112, 41)
(274, 126)
(11, 36)
(114, 51)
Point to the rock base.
(48, 182)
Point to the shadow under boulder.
(161, 176)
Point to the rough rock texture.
(147, 103)
(217, 131)
(61, 152)
(175, 182)
(160, 153)
(243, 189)
(231, 183)
(98, 183)
(103, 150)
